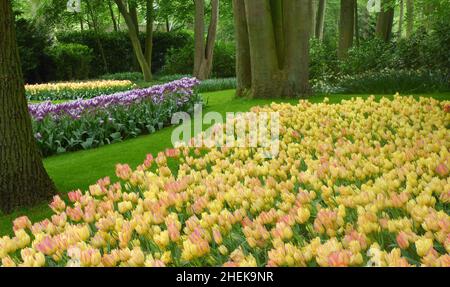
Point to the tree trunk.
(81, 23)
(243, 69)
(113, 17)
(346, 27)
(313, 11)
(409, 17)
(262, 29)
(132, 32)
(267, 79)
(203, 53)
(167, 24)
(23, 178)
(132, 7)
(385, 22)
(298, 23)
(149, 33)
(276, 7)
(400, 20)
(320, 19)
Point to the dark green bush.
(72, 61)
(118, 51)
(390, 81)
(32, 42)
(181, 60)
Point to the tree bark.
(113, 17)
(409, 18)
(267, 79)
(149, 33)
(243, 69)
(203, 53)
(298, 23)
(132, 32)
(262, 29)
(385, 22)
(313, 12)
(320, 19)
(132, 7)
(346, 27)
(23, 178)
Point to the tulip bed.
(84, 124)
(75, 90)
(361, 183)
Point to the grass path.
(80, 169)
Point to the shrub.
(119, 52)
(72, 61)
(32, 42)
(391, 81)
(181, 60)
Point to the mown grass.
(80, 169)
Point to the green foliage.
(181, 60)
(119, 52)
(72, 61)
(390, 81)
(32, 41)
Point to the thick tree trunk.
(385, 22)
(298, 14)
(267, 79)
(276, 8)
(409, 17)
(23, 179)
(243, 68)
(135, 41)
(320, 19)
(149, 33)
(203, 54)
(113, 17)
(346, 27)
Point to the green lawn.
(80, 169)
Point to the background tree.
(320, 19)
(279, 61)
(134, 38)
(409, 17)
(346, 27)
(204, 52)
(385, 21)
(23, 178)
